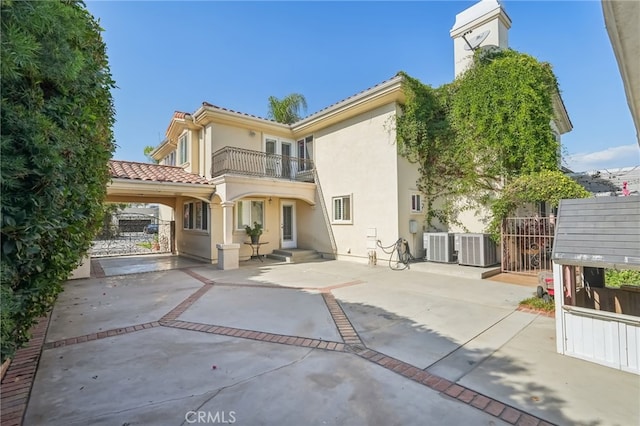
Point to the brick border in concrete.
(340, 319)
(96, 270)
(257, 335)
(453, 390)
(23, 367)
(100, 335)
(18, 379)
(185, 304)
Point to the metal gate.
(526, 244)
(133, 233)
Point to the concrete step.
(294, 255)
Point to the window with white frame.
(342, 209)
(195, 216)
(170, 160)
(182, 149)
(416, 203)
(305, 152)
(248, 212)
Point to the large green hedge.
(56, 140)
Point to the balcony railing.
(240, 161)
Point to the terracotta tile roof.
(207, 104)
(177, 115)
(153, 173)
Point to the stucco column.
(227, 222)
(228, 252)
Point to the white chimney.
(484, 24)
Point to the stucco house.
(332, 182)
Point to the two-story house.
(332, 182)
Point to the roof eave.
(561, 116)
(388, 91)
(163, 186)
(162, 150)
(206, 114)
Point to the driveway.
(318, 343)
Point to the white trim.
(342, 221)
(237, 226)
(384, 88)
(204, 214)
(419, 202)
(603, 315)
(279, 141)
(183, 141)
(293, 243)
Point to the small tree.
(56, 140)
(287, 110)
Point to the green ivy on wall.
(491, 124)
(426, 138)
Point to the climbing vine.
(549, 186)
(425, 137)
(492, 123)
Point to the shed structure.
(593, 322)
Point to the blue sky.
(168, 56)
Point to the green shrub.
(56, 140)
(537, 303)
(616, 278)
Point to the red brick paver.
(100, 335)
(18, 380)
(510, 415)
(17, 383)
(345, 328)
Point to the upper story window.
(342, 209)
(416, 203)
(183, 150)
(170, 160)
(305, 152)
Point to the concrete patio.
(325, 342)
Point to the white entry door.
(288, 224)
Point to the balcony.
(238, 161)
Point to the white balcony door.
(285, 148)
(281, 161)
(288, 224)
(271, 162)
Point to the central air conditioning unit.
(439, 247)
(476, 250)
